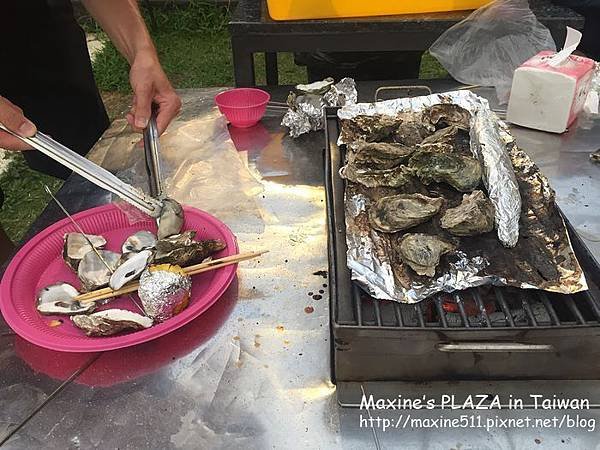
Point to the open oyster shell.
(111, 321)
(129, 268)
(92, 271)
(76, 246)
(463, 173)
(475, 215)
(422, 252)
(58, 299)
(171, 219)
(403, 211)
(142, 240)
(378, 155)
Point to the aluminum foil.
(164, 292)
(491, 142)
(305, 111)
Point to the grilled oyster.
(183, 250)
(374, 128)
(447, 114)
(463, 173)
(378, 155)
(448, 140)
(397, 177)
(111, 321)
(76, 246)
(475, 215)
(58, 299)
(422, 252)
(164, 290)
(403, 211)
(92, 271)
(171, 219)
(412, 132)
(142, 240)
(129, 268)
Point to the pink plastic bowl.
(39, 263)
(243, 107)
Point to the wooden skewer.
(102, 294)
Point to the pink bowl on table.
(243, 107)
(39, 263)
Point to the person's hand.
(150, 84)
(11, 116)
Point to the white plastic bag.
(486, 47)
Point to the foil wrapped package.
(306, 104)
(524, 205)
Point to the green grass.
(25, 197)
(195, 51)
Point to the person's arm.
(122, 21)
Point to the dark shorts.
(46, 71)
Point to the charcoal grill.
(482, 333)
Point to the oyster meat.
(183, 250)
(463, 173)
(92, 271)
(58, 299)
(397, 177)
(374, 128)
(130, 267)
(378, 155)
(76, 246)
(171, 219)
(111, 321)
(142, 240)
(164, 290)
(475, 215)
(422, 252)
(403, 211)
(447, 114)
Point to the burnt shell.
(400, 212)
(422, 252)
(475, 215)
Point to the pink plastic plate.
(39, 263)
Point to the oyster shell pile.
(164, 286)
(411, 168)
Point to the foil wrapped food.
(523, 202)
(306, 104)
(164, 291)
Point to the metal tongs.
(151, 205)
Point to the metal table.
(253, 372)
(253, 31)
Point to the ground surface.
(194, 48)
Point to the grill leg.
(271, 69)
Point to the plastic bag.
(201, 166)
(486, 47)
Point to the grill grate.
(477, 308)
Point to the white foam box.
(548, 98)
